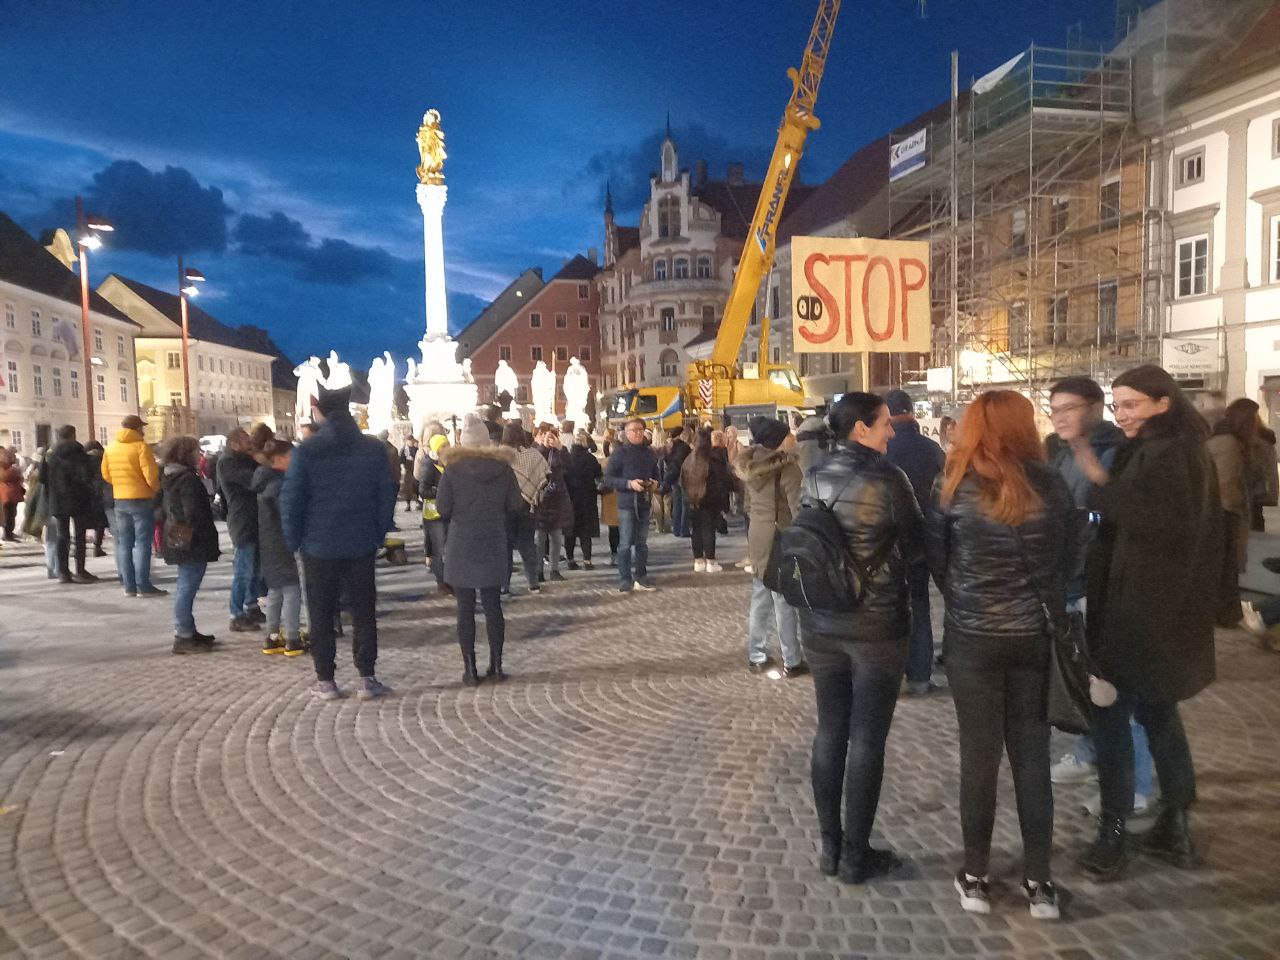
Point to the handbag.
(1069, 668)
(177, 535)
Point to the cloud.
(164, 213)
(329, 261)
(627, 171)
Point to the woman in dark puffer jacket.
(186, 505)
(858, 658)
(1000, 516)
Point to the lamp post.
(87, 229)
(188, 277)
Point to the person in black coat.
(554, 513)
(66, 477)
(707, 482)
(583, 479)
(679, 447)
(1001, 544)
(235, 482)
(279, 565)
(102, 504)
(858, 658)
(477, 496)
(1152, 603)
(190, 538)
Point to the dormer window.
(669, 217)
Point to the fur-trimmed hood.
(758, 463)
(453, 455)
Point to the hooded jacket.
(185, 501)
(477, 494)
(279, 566)
(127, 464)
(773, 480)
(67, 476)
(235, 479)
(338, 500)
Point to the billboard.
(908, 154)
(1189, 356)
(857, 295)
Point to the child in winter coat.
(279, 566)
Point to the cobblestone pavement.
(631, 791)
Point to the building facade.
(231, 378)
(41, 350)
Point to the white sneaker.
(1253, 620)
(644, 587)
(975, 893)
(699, 566)
(1141, 805)
(1043, 898)
(748, 568)
(1071, 769)
(713, 567)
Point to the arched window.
(670, 361)
(682, 268)
(659, 269)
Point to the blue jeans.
(769, 607)
(135, 528)
(920, 650)
(633, 523)
(1143, 774)
(284, 610)
(244, 579)
(184, 597)
(1269, 610)
(679, 512)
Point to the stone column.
(431, 200)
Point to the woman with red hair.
(1000, 542)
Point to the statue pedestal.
(439, 390)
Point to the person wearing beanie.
(474, 431)
(336, 506)
(770, 469)
(920, 459)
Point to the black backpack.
(810, 563)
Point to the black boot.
(829, 858)
(1169, 839)
(470, 678)
(1107, 857)
(495, 663)
(859, 866)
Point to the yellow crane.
(720, 375)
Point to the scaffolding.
(1038, 216)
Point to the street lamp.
(188, 277)
(88, 228)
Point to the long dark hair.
(1180, 418)
(1240, 420)
(855, 407)
(697, 467)
(513, 435)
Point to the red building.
(533, 320)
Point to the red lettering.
(866, 298)
(908, 287)
(828, 302)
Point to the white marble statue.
(543, 387)
(309, 377)
(506, 381)
(467, 376)
(339, 373)
(382, 393)
(412, 375)
(577, 387)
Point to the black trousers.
(10, 518)
(352, 580)
(856, 699)
(1113, 742)
(615, 538)
(703, 524)
(64, 544)
(584, 542)
(998, 684)
(494, 624)
(521, 528)
(434, 533)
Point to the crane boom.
(757, 251)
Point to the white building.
(231, 381)
(1220, 183)
(41, 349)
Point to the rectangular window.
(1018, 230)
(668, 319)
(1193, 267)
(777, 354)
(57, 381)
(535, 354)
(97, 341)
(175, 397)
(200, 361)
(682, 269)
(37, 379)
(222, 365)
(1059, 208)
(1019, 332)
(562, 321)
(1275, 139)
(1108, 295)
(120, 351)
(562, 354)
(124, 390)
(10, 317)
(584, 354)
(504, 353)
(174, 360)
(1109, 202)
(708, 316)
(75, 384)
(1191, 168)
(37, 326)
(103, 437)
(584, 291)
(659, 269)
(773, 303)
(584, 321)
(101, 381)
(535, 320)
(1275, 249)
(17, 440)
(13, 376)
(1058, 319)
(704, 268)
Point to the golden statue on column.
(431, 149)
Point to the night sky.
(272, 143)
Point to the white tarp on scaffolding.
(986, 83)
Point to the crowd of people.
(1137, 525)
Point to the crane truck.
(720, 382)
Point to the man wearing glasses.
(633, 472)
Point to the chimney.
(700, 174)
(735, 175)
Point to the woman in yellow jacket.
(129, 466)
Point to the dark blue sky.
(273, 143)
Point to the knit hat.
(899, 402)
(474, 432)
(768, 432)
(436, 442)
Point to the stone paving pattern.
(631, 791)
